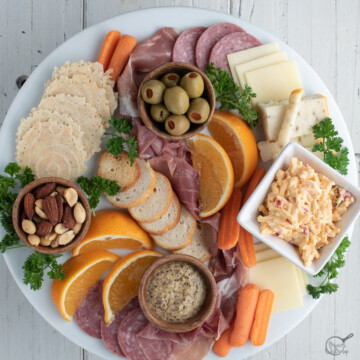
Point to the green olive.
(199, 111)
(171, 80)
(159, 112)
(176, 100)
(177, 124)
(193, 84)
(152, 91)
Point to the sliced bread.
(118, 168)
(166, 221)
(156, 204)
(181, 235)
(139, 192)
(199, 247)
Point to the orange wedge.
(238, 140)
(113, 229)
(216, 173)
(81, 274)
(122, 282)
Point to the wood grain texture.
(325, 32)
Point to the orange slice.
(238, 140)
(81, 274)
(216, 173)
(113, 229)
(122, 282)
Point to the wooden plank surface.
(325, 32)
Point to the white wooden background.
(325, 32)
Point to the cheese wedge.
(258, 63)
(240, 57)
(265, 255)
(275, 82)
(312, 110)
(260, 247)
(301, 281)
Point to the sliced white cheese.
(260, 62)
(265, 255)
(274, 82)
(260, 247)
(280, 276)
(301, 281)
(240, 57)
(312, 110)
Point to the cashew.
(44, 241)
(40, 213)
(77, 228)
(67, 237)
(79, 213)
(55, 243)
(40, 203)
(28, 226)
(34, 240)
(60, 229)
(71, 196)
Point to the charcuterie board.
(86, 46)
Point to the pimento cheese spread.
(302, 207)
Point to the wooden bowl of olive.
(176, 100)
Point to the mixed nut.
(52, 215)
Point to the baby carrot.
(262, 317)
(229, 227)
(222, 345)
(108, 48)
(253, 183)
(245, 310)
(121, 55)
(247, 248)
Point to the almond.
(43, 191)
(59, 201)
(29, 205)
(51, 209)
(68, 218)
(43, 228)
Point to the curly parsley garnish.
(331, 146)
(330, 272)
(230, 96)
(95, 186)
(115, 144)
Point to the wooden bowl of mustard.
(177, 293)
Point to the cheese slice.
(280, 276)
(242, 56)
(274, 82)
(263, 61)
(260, 247)
(265, 255)
(312, 110)
(301, 281)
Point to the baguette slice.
(118, 168)
(181, 235)
(167, 221)
(156, 204)
(199, 247)
(139, 192)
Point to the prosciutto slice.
(146, 56)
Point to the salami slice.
(91, 311)
(209, 38)
(229, 44)
(184, 48)
(132, 324)
(109, 333)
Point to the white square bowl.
(247, 217)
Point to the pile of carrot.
(115, 52)
(252, 317)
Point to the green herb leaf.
(230, 96)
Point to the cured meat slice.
(229, 44)
(184, 48)
(146, 56)
(194, 350)
(109, 333)
(209, 38)
(91, 311)
(131, 325)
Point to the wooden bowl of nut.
(51, 215)
(176, 100)
(177, 293)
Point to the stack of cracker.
(65, 130)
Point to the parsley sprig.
(330, 272)
(331, 146)
(115, 143)
(230, 96)
(95, 186)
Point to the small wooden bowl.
(200, 317)
(181, 69)
(18, 208)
